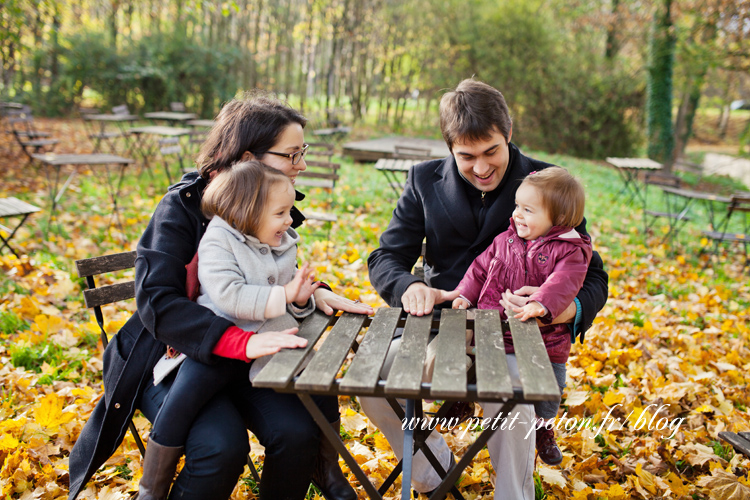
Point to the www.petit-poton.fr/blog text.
(649, 419)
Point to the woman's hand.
(419, 299)
(327, 301)
(263, 344)
(301, 287)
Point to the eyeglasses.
(295, 157)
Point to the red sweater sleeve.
(232, 344)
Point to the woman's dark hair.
(239, 194)
(251, 122)
(472, 112)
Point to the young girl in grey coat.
(247, 267)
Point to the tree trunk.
(659, 92)
(613, 44)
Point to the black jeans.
(216, 443)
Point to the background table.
(144, 145)
(450, 380)
(629, 168)
(54, 163)
(170, 116)
(120, 120)
(394, 170)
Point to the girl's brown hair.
(562, 195)
(239, 194)
(252, 122)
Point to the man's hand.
(514, 301)
(419, 299)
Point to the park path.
(723, 164)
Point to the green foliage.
(33, 357)
(724, 451)
(539, 493)
(10, 323)
(659, 96)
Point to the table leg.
(335, 440)
(11, 233)
(408, 451)
(114, 194)
(455, 472)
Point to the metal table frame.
(629, 169)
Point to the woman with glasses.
(256, 126)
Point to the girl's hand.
(461, 303)
(327, 301)
(301, 287)
(531, 310)
(263, 344)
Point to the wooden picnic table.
(629, 169)
(709, 200)
(13, 207)
(53, 164)
(394, 169)
(450, 380)
(170, 116)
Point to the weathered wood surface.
(740, 442)
(11, 207)
(81, 159)
(534, 366)
(105, 264)
(323, 368)
(278, 373)
(449, 374)
(405, 377)
(493, 376)
(634, 163)
(110, 293)
(364, 372)
(385, 147)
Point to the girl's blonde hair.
(239, 194)
(562, 195)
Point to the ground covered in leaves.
(663, 370)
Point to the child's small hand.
(531, 310)
(301, 287)
(461, 303)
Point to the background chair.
(321, 173)
(740, 203)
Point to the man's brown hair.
(472, 112)
(562, 195)
(239, 194)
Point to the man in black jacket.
(458, 205)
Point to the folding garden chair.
(31, 140)
(95, 298)
(171, 152)
(740, 202)
(321, 173)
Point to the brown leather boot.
(328, 476)
(547, 447)
(159, 466)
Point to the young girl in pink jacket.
(539, 249)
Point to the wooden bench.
(395, 171)
(13, 207)
(96, 297)
(450, 380)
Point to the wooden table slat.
(534, 367)
(405, 377)
(322, 369)
(493, 376)
(449, 374)
(12, 206)
(364, 372)
(279, 371)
